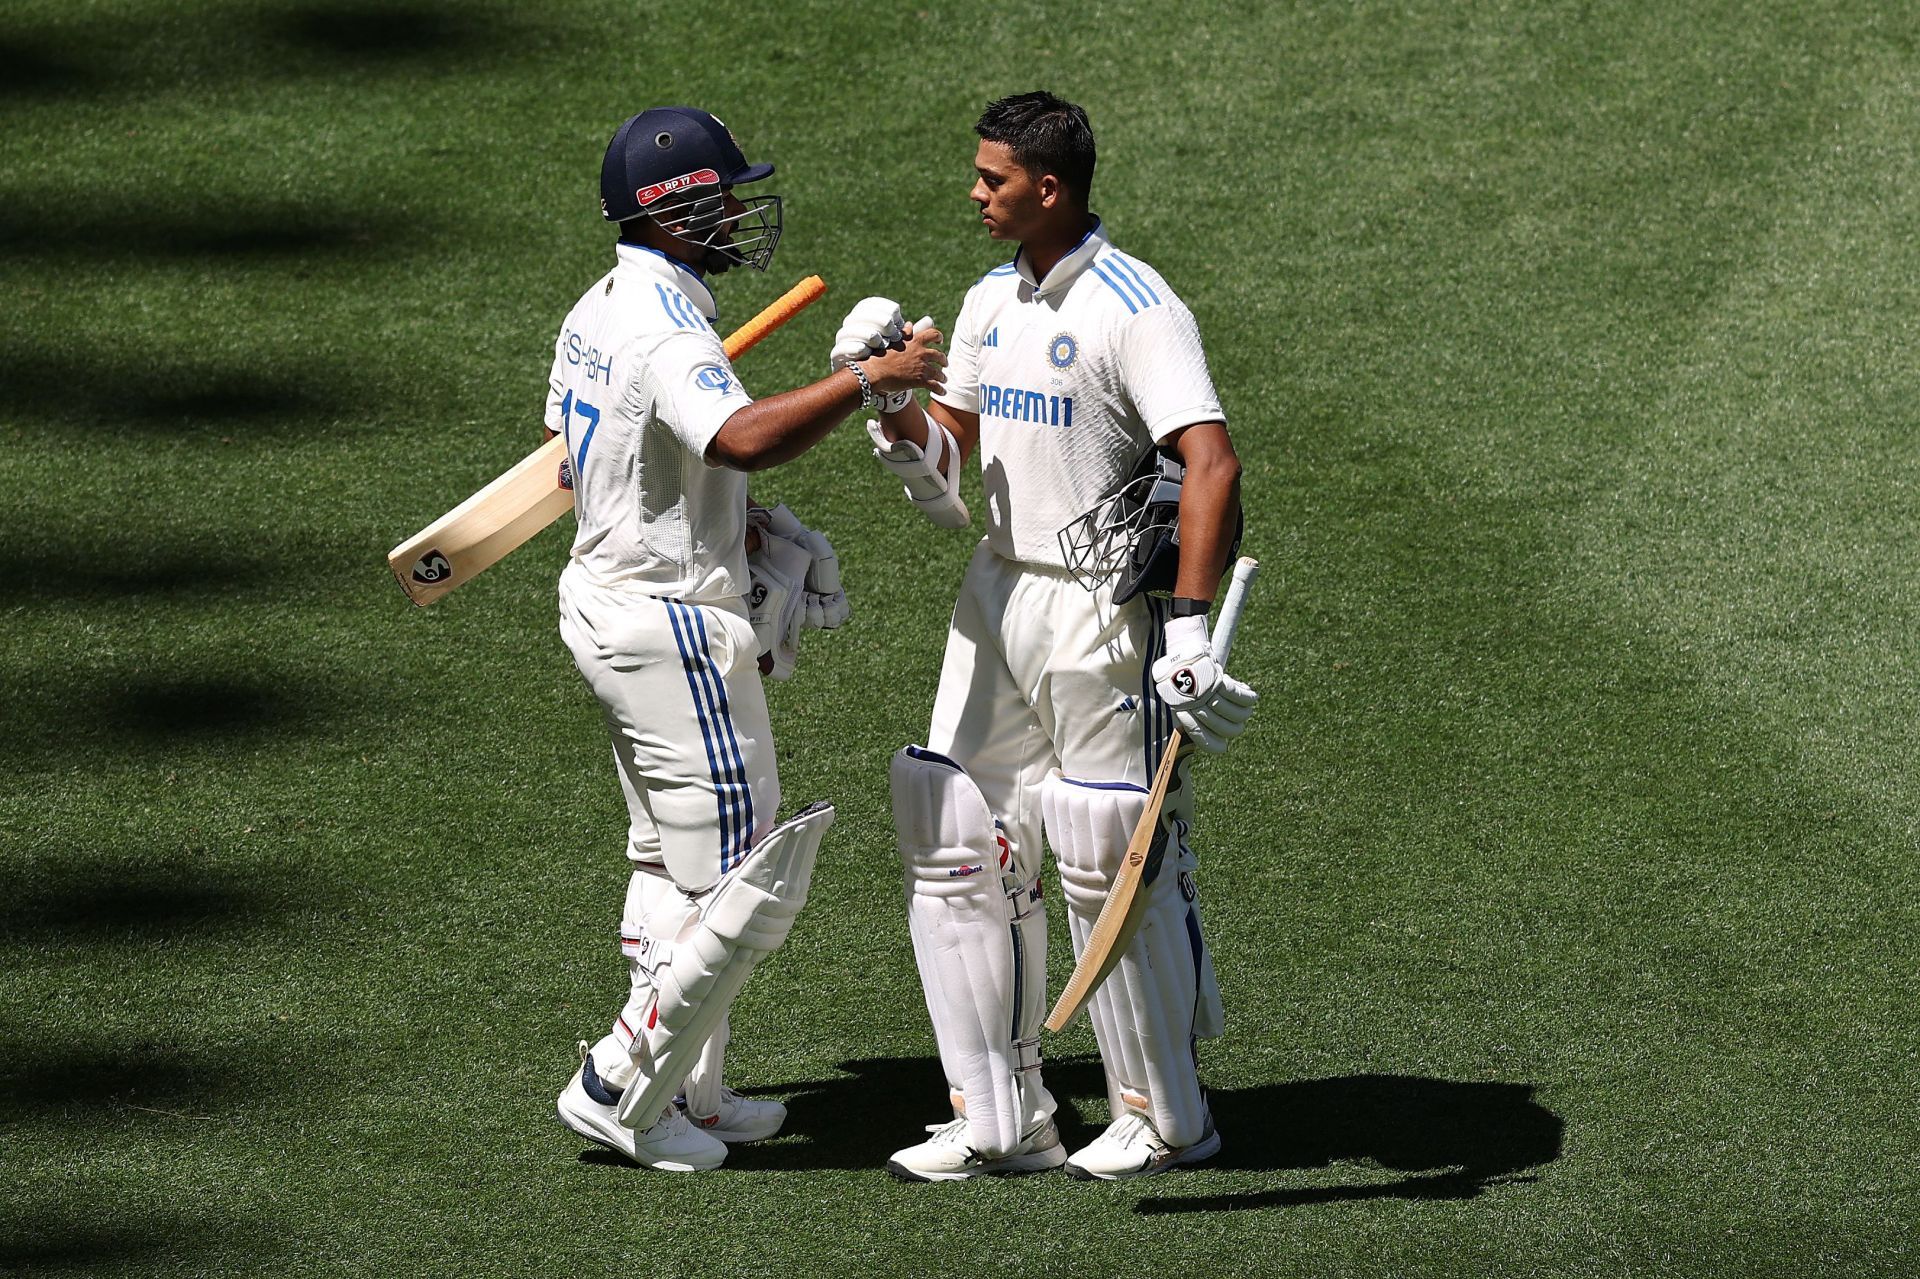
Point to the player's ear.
(1049, 188)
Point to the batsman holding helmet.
(654, 604)
(1078, 642)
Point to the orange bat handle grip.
(784, 308)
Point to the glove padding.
(930, 476)
(776, 602)
(822, 596)
(873, 325)
(1210, 706)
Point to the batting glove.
(826, 599)
(871, 327)
(1210, 706)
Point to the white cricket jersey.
(1072, 376)
(640, 386)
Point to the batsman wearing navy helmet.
(1078, 642)
(673, 597)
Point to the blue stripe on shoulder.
(1114, 285)
(666, 304)
(1131, 268)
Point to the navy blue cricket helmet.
(674, 166)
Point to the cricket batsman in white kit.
(654, 606)
(1078, 642)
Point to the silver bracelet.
(867, 394)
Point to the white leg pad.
(979, 936)
(697, 973)
(1146, 1014)
(702, 1088)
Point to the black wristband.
(1184, 606)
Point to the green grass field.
(1563, 893)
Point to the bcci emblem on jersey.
(1062, 351)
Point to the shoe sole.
(1011, 1166)
(1206, 1148)
(580, 1127)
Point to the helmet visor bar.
(701, 218)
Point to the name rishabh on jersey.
(640, 386)
(1072, 377)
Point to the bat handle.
(1236, 602)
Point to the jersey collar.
(1066, 269)
(672, 271)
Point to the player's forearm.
(781, 427)
(1209, 512)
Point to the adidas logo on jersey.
(993, 337)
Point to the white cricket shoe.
(740, 1118)
(949, 1155)
(1131, 1148)
(587, 1106)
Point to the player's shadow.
(1452, 1139)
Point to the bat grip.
(1244, 572)
(783, 308)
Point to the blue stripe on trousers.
(743, 830)
(694, 662)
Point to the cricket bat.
(1125, 906)
(478, 533)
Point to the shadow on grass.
(101, 901)
(35, 71)
(150, 715)
(126, 394)
(110, 572)
(91, 1080)
(1455, 1138)
(387, 33)
(125, 55)
(30, 227)
(108, 1238)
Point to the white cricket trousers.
(679, 685)
(1042, 673)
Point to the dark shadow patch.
(32, 72)
(1455, 1138)
(30, 227)
(108, 1238)
(122, 394)
(94, 901)
(93, 1081)
(385, 33)
(147, 716)
(161, 710)
(113, 572)
(895, 1098)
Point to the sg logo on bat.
(430, 568)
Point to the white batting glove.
(871, 327)
(826, 599)
(1210, 706)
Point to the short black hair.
(1046, 135)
